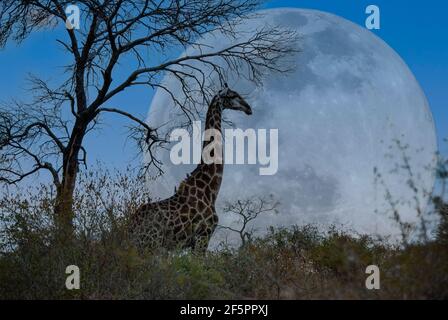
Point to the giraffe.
(188, 218)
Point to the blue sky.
(418, 32)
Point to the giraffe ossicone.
(188, 218)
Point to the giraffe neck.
(213, 119)
(212, 173)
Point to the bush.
(287, 263)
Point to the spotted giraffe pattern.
(188, 218)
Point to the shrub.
(299, 262)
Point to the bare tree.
(440, 200)
(247, 211)
(39, 136)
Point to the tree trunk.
(63, 215)
(63, 211)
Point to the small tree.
(247, 211)
(41, 136)
(440, 201)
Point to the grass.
(294, 263)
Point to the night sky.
(418, 33)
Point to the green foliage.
(300, 262)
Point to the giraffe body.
(188, 218)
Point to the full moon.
(355, 129)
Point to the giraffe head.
(232, 100)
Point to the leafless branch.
(148, 35)
(247, 211)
